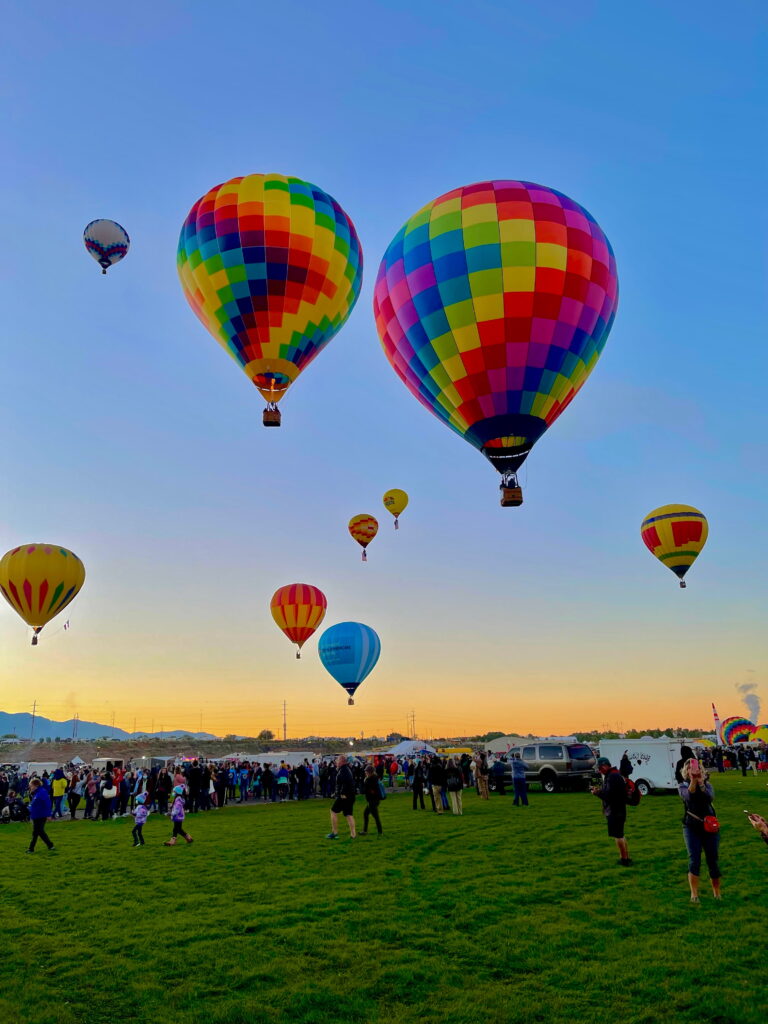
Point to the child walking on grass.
(177, 817)
(140, 814)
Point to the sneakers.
(626, 862)
(331, 835)
(29, 851)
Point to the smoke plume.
(749, 695)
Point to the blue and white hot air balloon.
(349, 651)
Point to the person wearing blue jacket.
(40, 808)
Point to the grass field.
(503, 915)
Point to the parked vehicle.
(553, 765)
(653, 761)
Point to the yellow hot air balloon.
(675, 534)
(39, 580)
(363, 528)
(395, 501)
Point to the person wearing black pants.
(372, 794)
(418, 786)
(40, 808)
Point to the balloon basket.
(298, 654)
(34, 640)
(365, 557)
(350, 701)
(511, 497)
(397, 525)
(683, 584)
(271, 418)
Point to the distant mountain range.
(21, 725)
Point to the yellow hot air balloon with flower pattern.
(39, 580)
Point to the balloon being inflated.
(493, 304)
(272, 266)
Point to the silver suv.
(554, 765)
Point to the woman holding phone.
(700, 826)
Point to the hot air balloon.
(39, 580)
(675, 534)
(363, 529)
(298, 609)
(395, 501)
(737, 729)
(107, 242)
(493, 304)
(272, 266)
(349, 651)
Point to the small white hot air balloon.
(107, 242)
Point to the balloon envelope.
(39, 580)
(363, 529)
(395, 501)
(493, 304)
(349, 651)
(272, 266)
(675, 534)
(107, 242)
(298, 609)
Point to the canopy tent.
(410, 748)
(77, 760)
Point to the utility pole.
(285, 727)
(34, 712)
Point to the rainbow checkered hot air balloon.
(272, 266)
(737, 729)
(675, 534)
(39, 580)
(298, 609)
(493, 304)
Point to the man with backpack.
(613, 794)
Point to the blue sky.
(133, 439)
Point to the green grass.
(503, 915)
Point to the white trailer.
(653, 761)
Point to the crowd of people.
(179, 790)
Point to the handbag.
(109, 794)
(710, 822)
(382, 791)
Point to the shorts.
(616, 823)
(343, 805)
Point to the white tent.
(410, 748)
(77, 760)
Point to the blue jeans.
(57, 812)
(697, 842)
(521, 792)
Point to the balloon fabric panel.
(39, 580)
(675, 534)
(298, 609)
(493, 304)
(272, 266)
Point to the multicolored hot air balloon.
(675, 534)
(363, 529)
(107, 242)
(349, 651)
(737, 729)
(395, 501)
(39, 580)
(493, 304)
(272, 266)
(298, 609)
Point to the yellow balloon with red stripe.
(675, 534)
(395, 501)
(363, 529)
(298, 609)
(39, 580)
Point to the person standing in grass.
(372, 794)
(436, 781)
(40, 808)
(344, 800)
(697, 794)
(519, 783)
(58, 791)
(481, 776)
(417, 784)
(454, 780)
(613, 793)
(140, 814)
(177, 817)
